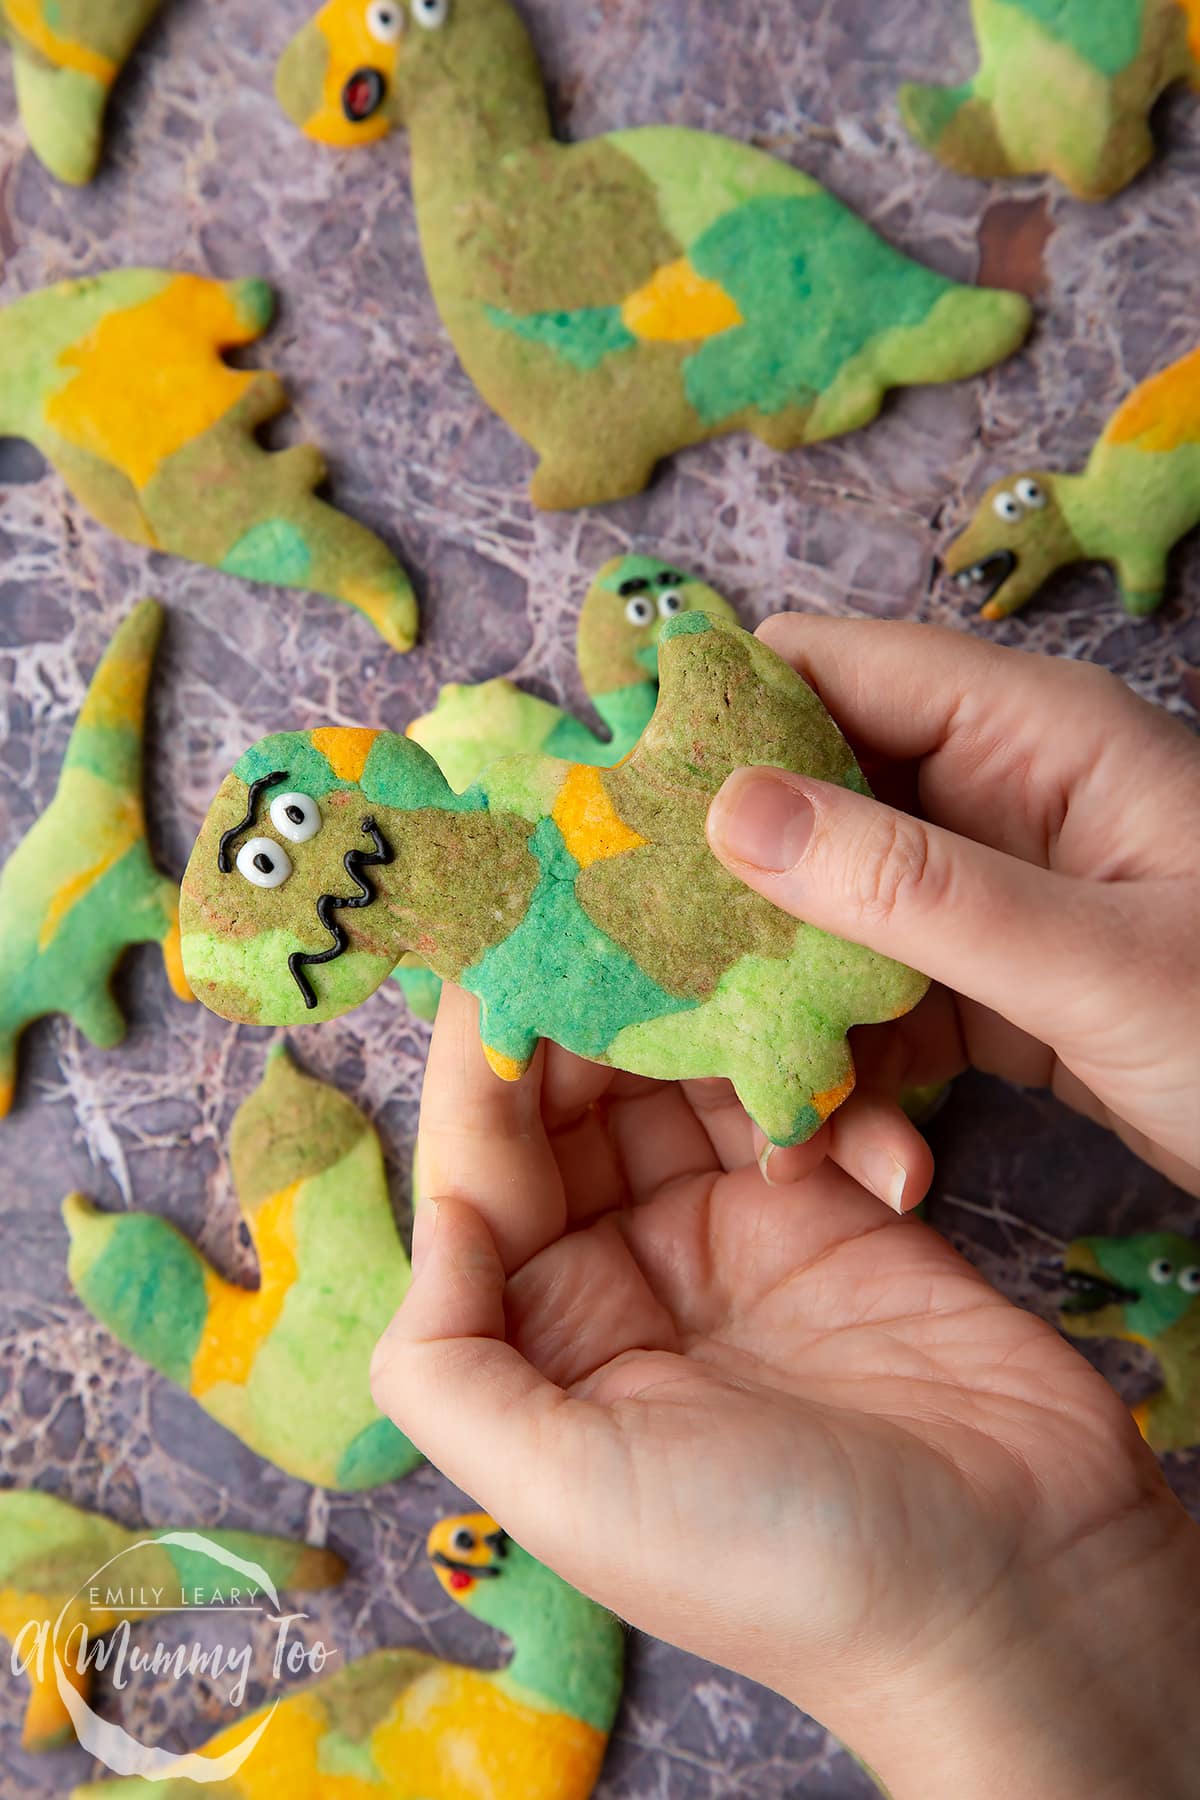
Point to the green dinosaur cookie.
(617, 650)
(285, 1365)
(80, 887)
(50, 1552)
(119, 381)
(579, 904)
(66, 55)
(620, 299)
(404, 1725)
(1145, 1289)
(1064, 86)
(1139, 494)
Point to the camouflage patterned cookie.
(404, 1725)
(66, 55)
(619, 299)
(50, 1552)
(119, 381)
(1139, 494)
(1064, 86)
(285, 1365)
(80, 887)
(579, 904)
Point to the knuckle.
(893, 869)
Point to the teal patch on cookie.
(582, 338)
(273, 551)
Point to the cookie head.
(284, 879)
(624, 613)
(342, 77)
(1015, 542)
(1134, 1287)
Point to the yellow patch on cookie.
(1163, 413)
(591, 826)
(26, 19)
(149, 379)
(677, 306)
(829, 1101)
(1191, 12)
(1141, 1417)
(345, 748)
(286, 1760)
(240, 1319)
(172, 955)
(115, 835)
(506, 1067)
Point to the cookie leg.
(63, 112)
(47, 1722)
(8, 1071)
(789, 1110)
(1143, 581)
(567, 478)
(100, 1019)
(927, 109)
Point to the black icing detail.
(295, 814)
(257, 789)
(992, 572)
(477, 1571)
(637, 584)
(670, 578)
(355, 862)
(1088, 1293)
(244, 1237)
(363, 95)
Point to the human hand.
(1055, 890)
(790, 1431)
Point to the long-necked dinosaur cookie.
(51, 1560)
(1145, 1289)
(579, 904)
(1064, 86)
(620, 299)
(80, 887)
(1139, 494)
(66, 54)
(285, 1365)
(404, 1725)
(119, 381)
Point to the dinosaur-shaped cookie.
(1139, 494)
(1145, 1289)
(52, 1556)
(80, 887)
(619, 299)
(617, 650)
(1064, 86)
(66, 55)
(404, 1725)
(579, 904)
(119, 381)
(285, 1365)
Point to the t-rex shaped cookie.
(619, 299)
(579, 904)
(80, 887)
(404, 1725)
(1139, 494)
(66, 55)
(119, 381)
(285, 1365)
(1145, 1289)
(51, 1557)
(1064, 86)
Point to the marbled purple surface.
(204, 173)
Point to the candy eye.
(669, 604)
(1030, 494)
(264, 863)
(1005, 507)
(639, 610)
(430, 13)
(385, 21)
(464, 1540)
(295, 817)
(1189, 1279)
(1162, 1271)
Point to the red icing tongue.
(459, 1579)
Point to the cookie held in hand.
(577, 903)
(66, 55)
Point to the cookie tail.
(62, 111)
(928, 110)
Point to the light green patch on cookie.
(1106, 33)
(248, 979)
(733, 174)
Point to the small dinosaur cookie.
(579, 904)
(404, 1725)
(1064, 86)
(66, 54)
(1145, 1289)
(285, 1365)
(80, 887)
(1139, 494)
(51, 1551)
(119, 381)
(620, 299)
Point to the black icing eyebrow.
(224, 860)
(637, 584)
(669, 578)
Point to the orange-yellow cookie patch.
(26, 19)
(591, 826)
(240, 1319)
(345, 748)
(829, 1101)
(506, 1067)
(677, 306)
(1164, 412)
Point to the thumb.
(1021, 940)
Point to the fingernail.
(885, 1177)
(424, 1226)
(765, 1154)
(758, 818)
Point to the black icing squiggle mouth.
(990, 571)
(355, 862)
(363, 95)
(1088, 1293)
